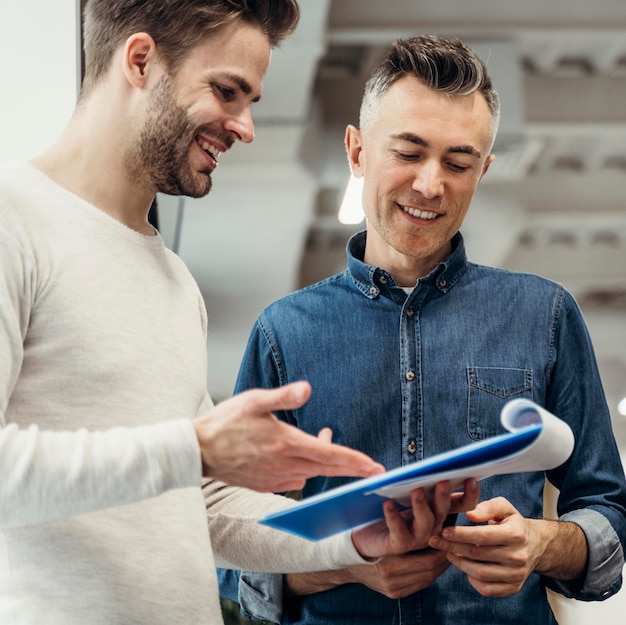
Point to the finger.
(288, 397)
(424, 519)
(287, 442)
(409, 585)
(491, 579)
(397, 583)
(400, 537)
(325, 435)
(495, 509)
(280, 486)
(468, 498)
(316, 456)
(494, 589)
(441, 505)
(310, 456)
(478, 553)
(469, 540)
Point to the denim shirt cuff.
(261, 596)
(605, 559)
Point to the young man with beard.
(418, 350)
(106, 426)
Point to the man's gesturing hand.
(244, 444)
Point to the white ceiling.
(554, 205)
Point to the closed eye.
(458, 168)
(227, 93)
(405, 156)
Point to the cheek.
(368, 199)
(381, 179)
(202, 110)
(460, 195)
(459, 215)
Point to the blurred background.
(554, 202)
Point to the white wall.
(38, 74)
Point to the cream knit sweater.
(102, 365)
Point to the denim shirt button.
(409, 311)
(411, 447)
(443, 282)
(373, 290)
(384, 279)
(410, 376)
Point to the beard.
(160, 154)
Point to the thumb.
(492, 510)
(295, 394)
(285, 397)
(325, 435)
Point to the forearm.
(296, 584)
(240, 542)
(61, 474)
(564, 549)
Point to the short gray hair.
(446, 65)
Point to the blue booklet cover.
(537, 441)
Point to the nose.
(428, 179)
(241, 125)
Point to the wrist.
(561, 549)
(200, 427)
(297, 584)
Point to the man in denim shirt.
(413, 350)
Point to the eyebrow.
(417, 140)
(242, 83)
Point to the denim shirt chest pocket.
(489, 388)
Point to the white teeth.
(415, 212)
(207, 147)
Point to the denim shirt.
(402, 377)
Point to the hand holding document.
(537, 441)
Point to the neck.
(406, 268)
(88, 160)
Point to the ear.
(139, 56)
(354, 149)
(490, 159)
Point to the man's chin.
(194, 188)
(202, 184)
(199, 192)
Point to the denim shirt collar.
(371, 280)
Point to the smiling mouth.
(210, 149)
(420, 214)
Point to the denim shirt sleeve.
(605, 559)
(259, 595)
(591, 483)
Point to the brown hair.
(176, 26)
(446, 65)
